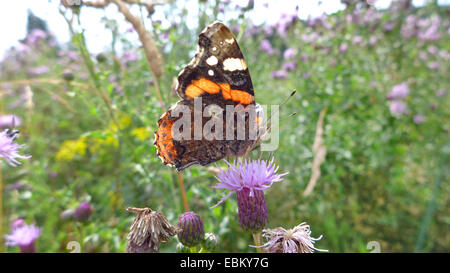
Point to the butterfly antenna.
(283, 103)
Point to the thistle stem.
(183, 192)
(258, 241)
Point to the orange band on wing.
(164, 140)
(193, 91)
(207, 86)
(241, 96)
(225, 87)
(202, 85)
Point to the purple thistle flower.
(252, 174)
(10, 121)
(399, 91)
(279, 74)
(343, 48)
(434, 65)
(432, 49)
(418, 119)
(129, 56)
(18, 223)
(357, 39)
(249, 179)
(191, 228)
(397, 107)
(389, 26)
(266, 47)
(36, 71)
(83, 211)
(290, 66)
(289, 54)
(9, 149)
(35, 36)
(24, 236)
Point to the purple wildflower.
(191, 228)
(289, 54)
(9, 149)
(357, 39)
(432, 32)
(24, 236)
(389, 26)
(35, 36)
(38, 70)
(397, 107)
(83, 211)
(249, 179)
(266, 47)
(290, 66)
(10, 121)
(399, 91)
(343, 48)
(296, 240)
(432, 49)
(129, 56)
(441, 93)
(279, 74)
(285, 22)
(18, 223)
(419, 118)
(434, 65)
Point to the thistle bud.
(68, 75)
(192, 230)
(83, 211)
(252, 210)
(101, 57)
(210, 242)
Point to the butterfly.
(217, 116)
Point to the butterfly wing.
(218, 74)
(218, 70)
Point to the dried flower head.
(149, 228)
(296, 240)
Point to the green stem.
(430, 208)
(258, 241)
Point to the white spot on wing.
(210, 72)
(212, 60)
(232, 64)
(230, 41)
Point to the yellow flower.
(123, 121)
(141, 133)
(111, 140)
(70, 148)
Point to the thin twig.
(319, 151)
